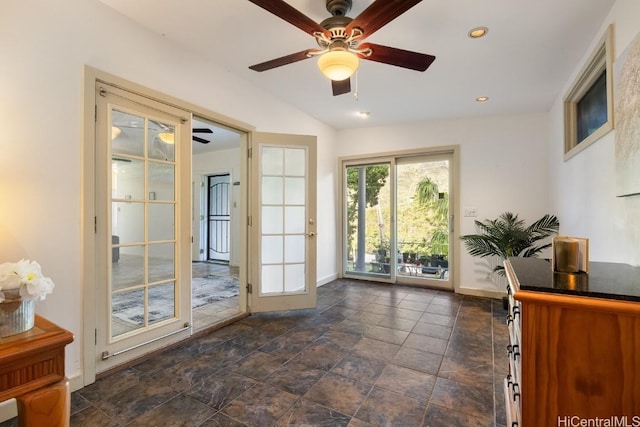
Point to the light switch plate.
(472, 212)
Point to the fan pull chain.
(355, 93)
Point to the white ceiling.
(222, 137)
(522, 64)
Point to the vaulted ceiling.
(521, 65)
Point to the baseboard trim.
(327, 279)
(481, 293)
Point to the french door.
(398, 220)
(283, 222)
(142, 225)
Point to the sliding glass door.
(398, 220)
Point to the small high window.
(588, 106)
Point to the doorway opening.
(217, 204)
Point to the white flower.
(26, 276)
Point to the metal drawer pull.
(515, 393)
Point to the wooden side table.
(32, 371)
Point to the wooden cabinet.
(573, 356)
(32, 371)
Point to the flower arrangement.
(23, 279)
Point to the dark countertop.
(604, 280)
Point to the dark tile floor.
(369, 355)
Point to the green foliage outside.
(422, 211)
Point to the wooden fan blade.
(278, 62)
(202, 130)
(379, 14)
(341, 87)
(290, 14)
(201, 140)
(398, 57)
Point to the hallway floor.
(369, 355)
(219, 311)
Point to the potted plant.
(507, 236)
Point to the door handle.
(311, 234)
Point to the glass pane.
(294, 162)
(272, 161)
(127, 221)
(294, 219)
(272, 191)
(127, 311)
(423, 219)
(368, 219)
(294, 248)
(162, 302)
(161, 221)
(272, 279)
(161, 262)
(272, 249)
(127, 266)
(294, 191)
(591, 110)
(294, 278)
(162, 139)
(272, 220)
(161, 182)
(127, 133)
(127, 178)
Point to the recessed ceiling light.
(364, 114)
(482, 98)
(476, 33)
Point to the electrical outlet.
(473, 212)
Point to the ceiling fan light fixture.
(115, 132)
(167, 137)
(338, 65)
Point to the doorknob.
(311, 233)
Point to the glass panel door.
(422, 211)
(143, 225)
(368, 220)
(285, 229)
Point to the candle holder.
(570, 254)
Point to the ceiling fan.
(340, 39)
(199, 139)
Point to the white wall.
(584, 186)
(503, 168)
(44, 46)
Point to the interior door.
(282, 222)
(143, 264)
